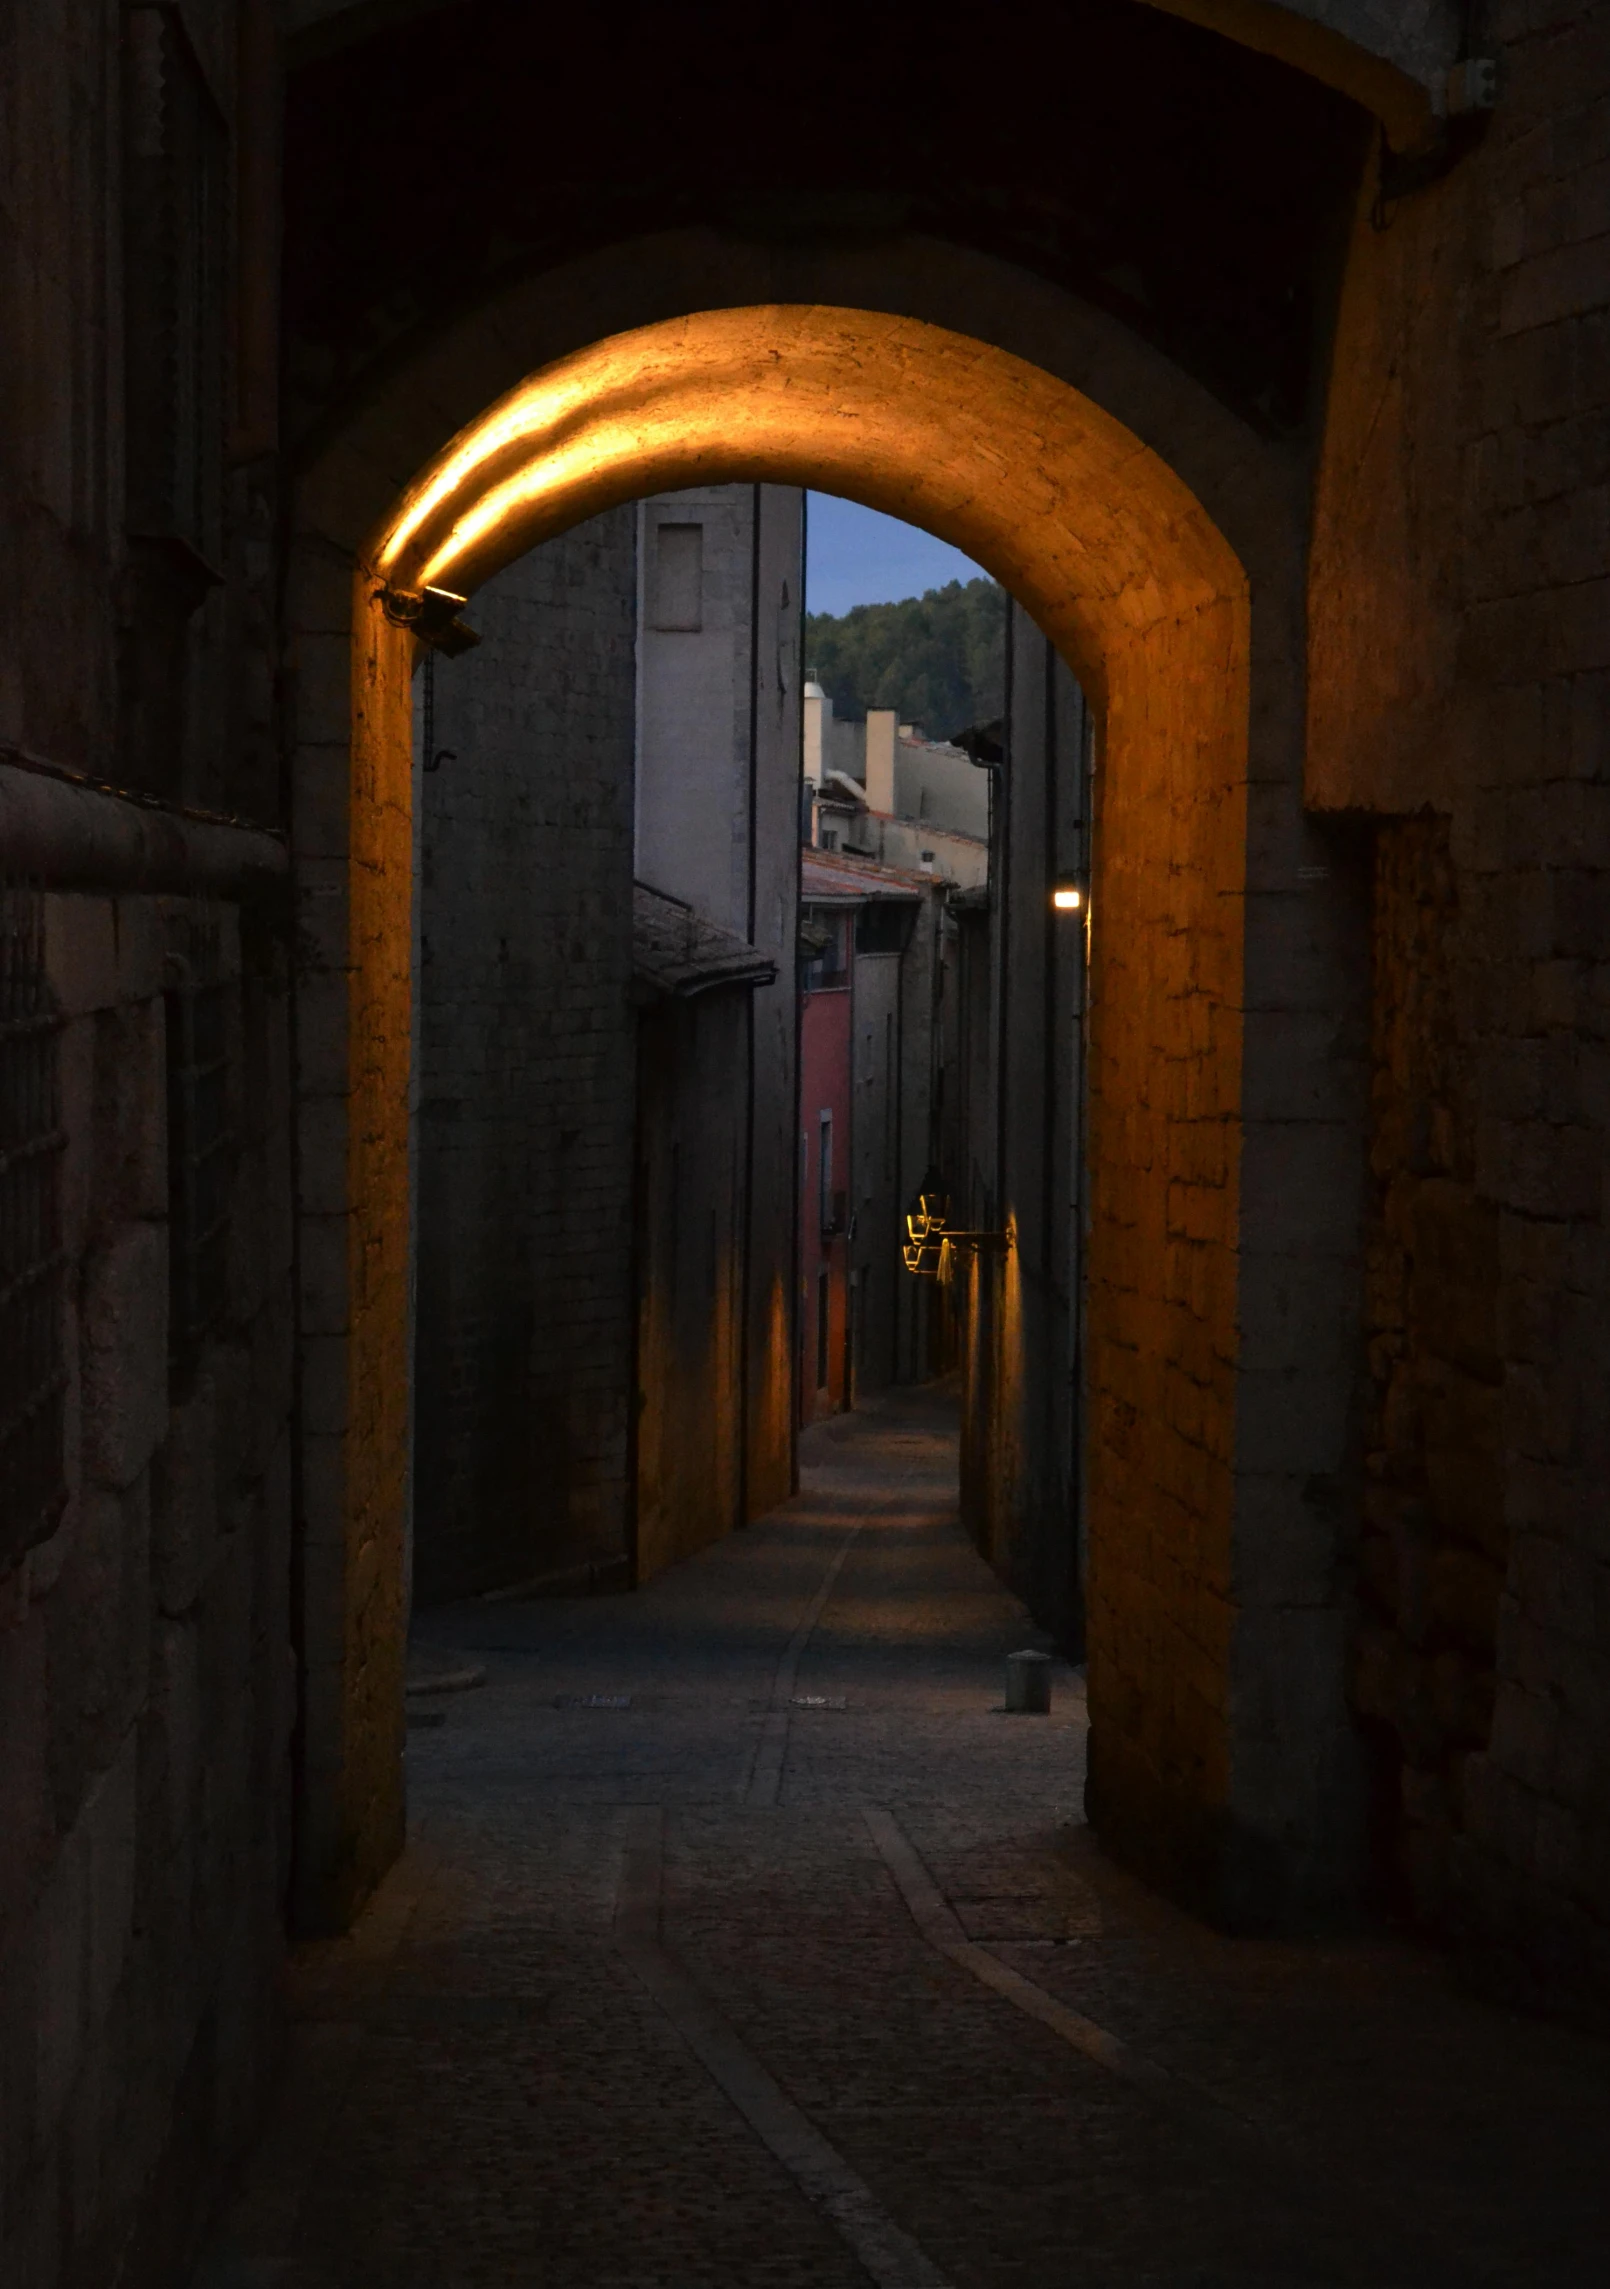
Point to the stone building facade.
(149, 1688)
(1269, 368)
(148, 1460)
(631, 709)
(1011, 1146)
(722, 583)
(870, 1085)
(1466, 714)
(696, 1233)
(523, 1344)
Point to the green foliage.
(939, 659)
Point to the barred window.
(33, 1374)
(201, 1145)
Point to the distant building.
(695, 985)
(1010, 1141)
(720, 606)
(605, 1163)
(897, 827)
(878, 790)
(943, 1018)
(869, 1093)
(826, 1037)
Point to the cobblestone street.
(742, 1939)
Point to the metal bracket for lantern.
(434, 616)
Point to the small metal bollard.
(1028, 1684)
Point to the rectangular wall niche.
(679, 577)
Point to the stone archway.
(1140, 587)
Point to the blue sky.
(856, 556)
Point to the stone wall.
(1218, 1655)
(718, 746)
(1436, 1531)
(1460, 695)
(1019, 1463)
(925, 1076)
(146, 1661)
(772, 926)
(876, 1045)
(691, 1213)
(526, 1085)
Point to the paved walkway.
(743, 1941)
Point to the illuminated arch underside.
(1138, 588)
(1063, 504)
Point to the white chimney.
(880, 734)
(817, 732)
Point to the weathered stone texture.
(1021, 1469)
(145, 1647)
(526, 1087)
(1459, 663)
(689, 1387)
(1435, 1535)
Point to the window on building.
(678, 600)
(884, 926)
(33, 1377)
(822, 941)
(824, 1172)
(824, 1292)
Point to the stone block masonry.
(1458, 674)
(145, 1645)
(1020, 1459)
(526, 1082)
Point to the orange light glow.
(1120, 565)
(1088, 528)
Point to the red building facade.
(825, 1100)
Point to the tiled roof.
(677, 951)
(840, 874)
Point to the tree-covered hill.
(939, 659)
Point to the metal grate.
(33, 1374)
(201, 1144)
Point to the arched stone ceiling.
(1391, 56)
(1196, 189)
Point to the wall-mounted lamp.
(433, 615)
(930, 1244)
(1067, 897)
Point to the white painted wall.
(693, 729)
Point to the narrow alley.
(742, 1938)
(804, 878)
